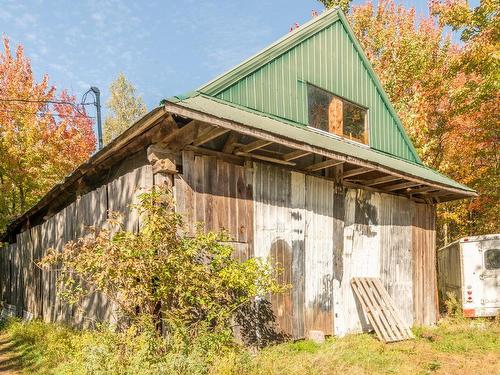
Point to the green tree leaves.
(124, 106)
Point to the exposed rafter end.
(323, 165)
(295, 155)
(209, 135)
(264, 158)
(357, 171)
(401, 186)
(254, 146)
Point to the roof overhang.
(203, 120)
(397, 176)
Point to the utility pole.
(97, 95)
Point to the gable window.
(337, 115)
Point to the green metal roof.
(286, 129)
(323, 52)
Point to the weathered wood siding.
(34, 290)
(217, 194)
(321, 233)
(425, 299)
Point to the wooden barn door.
(295, 225)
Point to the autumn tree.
(124, 106)
(472, 151)
(43, 135)
(445, 94)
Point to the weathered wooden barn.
(298, 153)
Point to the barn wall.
(32, 290)
(321, 234)
(218, 194)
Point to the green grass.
(453, 347)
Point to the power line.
(46, 114)
(42, 101)
(61, 102)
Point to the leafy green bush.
(176, 294)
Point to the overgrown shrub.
(177, 293)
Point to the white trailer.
(470, 268)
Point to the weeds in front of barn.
(455, 345)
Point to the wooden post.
(163, 161)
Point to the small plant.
(453, 306)
(434, 365)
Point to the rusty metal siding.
(296, 224)
(279, 234)
(319, 241)
(298, 217)
(330, 60)
(377, 243)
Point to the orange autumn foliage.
(40, 142)
(446, 94)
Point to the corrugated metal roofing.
(323, 52)
(254, 119)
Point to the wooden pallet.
(379, 307)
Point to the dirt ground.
(9, 360)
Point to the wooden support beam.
(381, 180)
(166, 127)
(403, 185)
(423, 190)
(162, 159)
(324, 164)
(437, 194)
(265, 158)
(357, 171)
(363, 187)
(295, 155)
(230, 144)
(209, 135)
(254, 145)
(221, 155)
(184, 136)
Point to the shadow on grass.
(17, 354)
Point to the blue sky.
(164, 47)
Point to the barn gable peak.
(319, 76)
